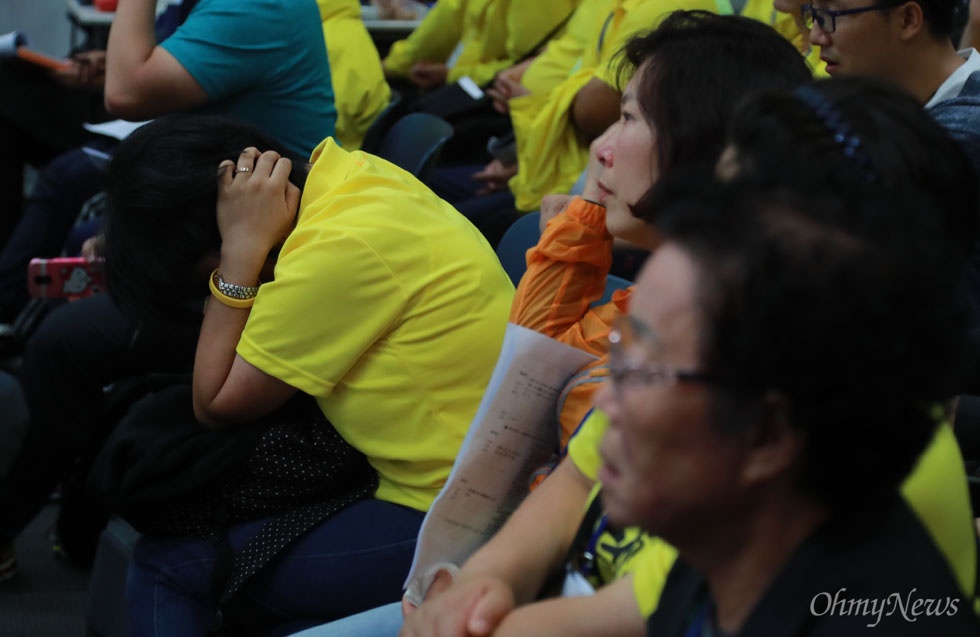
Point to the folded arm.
(255, 211)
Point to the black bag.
(166, 474)
(452, 102)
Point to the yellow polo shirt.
(389, 308)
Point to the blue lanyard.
(697, 626)
(589, 555)
(602, 34)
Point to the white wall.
(43, 21)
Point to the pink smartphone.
(65, 278)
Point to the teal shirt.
(263, 61)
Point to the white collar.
(954, 83)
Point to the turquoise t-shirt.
(264, 61)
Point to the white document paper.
(514, 432)
(117, 128)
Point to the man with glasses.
(909, 44)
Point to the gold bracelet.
(224, 299)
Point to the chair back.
(613, 283)
(414, 143)
(375, 133)
(521, 236)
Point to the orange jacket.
(566, 273)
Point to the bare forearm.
(215, 399)
(537, 536)
(611, 612)
(131, 43)
(594, 109)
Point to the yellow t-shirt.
(936, 491)
(389, 308)
(359, 86)
(492, 35)
(621, 551)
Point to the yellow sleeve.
(937, 491)
(432, 41)
(566, 272)
(359, 86)
(502, 32)
(549, 153)
(583, 449)
(634, 18)
(650, 568)
(564, 52)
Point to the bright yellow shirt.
(492, 35)
(389, 308)
(563, 54)
(359, 86)
(628, 550)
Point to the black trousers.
(79, 350)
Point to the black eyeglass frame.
(623, 373)
(812, 15)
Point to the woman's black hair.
(695, 66)
(779, 139)
(161, 193)
(841, 302)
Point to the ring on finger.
(243, 169)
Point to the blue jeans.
(79, 349)
(353, 561)
(383, 621)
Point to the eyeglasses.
(826, 19)
(624, 373)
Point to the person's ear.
(773, 444)
(911, 20)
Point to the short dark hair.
(943, 17)
(842, 303)
(779, 139)
(161, 195)
(700, 65)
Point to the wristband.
(239, 297)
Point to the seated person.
(737, 435)
(369, 294)
(566, 271)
